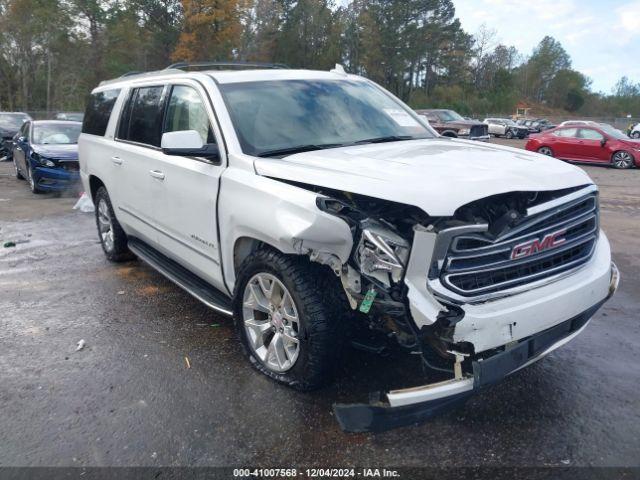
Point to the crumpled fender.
(279, 214)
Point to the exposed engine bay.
(383, 233)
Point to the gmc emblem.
(531, 247)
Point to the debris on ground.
(121, 292)
(186, 359)
(84, 204)
(9, 244)
(81, 345)
(215, 324)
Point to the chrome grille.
(476, 265)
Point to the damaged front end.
(458, 290)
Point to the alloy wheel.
(622, 160)
(271, 322)
(105, 225)
(545, 151)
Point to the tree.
(548, 58)
(211, 30)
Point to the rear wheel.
(622, 160)
(286, 321)
(546, 151)
(112, 237)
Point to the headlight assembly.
(42, 160)
(464, 131)
(382, 253)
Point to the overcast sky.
(602, 36)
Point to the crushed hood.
(437, 175)
(60, 152)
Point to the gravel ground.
(128, 398)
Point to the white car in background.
(307, 205)
(504, 127)
(635, 131)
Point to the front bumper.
(482, 138)
(414, 405)
(55, 179)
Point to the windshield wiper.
(390, 138)
(297, 149)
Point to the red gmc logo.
(531, 247)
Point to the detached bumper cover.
(407, 407)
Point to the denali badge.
(534, 246)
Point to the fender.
(279, 214)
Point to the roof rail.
(226, 65)
(128, 74)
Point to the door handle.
(117, 160)
(156, 174)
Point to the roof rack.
(226, 65)
(128, 74)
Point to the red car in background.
(592, 143)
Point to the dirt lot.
(128, 397)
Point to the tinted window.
(566, 132)
(142, 118)
(99, 107)
(588, 134)
(186, 111)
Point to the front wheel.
(32, 183)
(546, 151)
(19, 176)
(622, 160)
(286, 323)
(509, 134)
(635, 135)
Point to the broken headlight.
(382, 253)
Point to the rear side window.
(142, 119)
(99, 107)
(566, 133)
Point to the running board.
(194, 285)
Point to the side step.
(196, 286)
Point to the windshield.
(449, 116)
(292, 115)
(12, 121)
(56, 133)
(609, 130)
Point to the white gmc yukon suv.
(311, 205)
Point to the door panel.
(185, 209)
(133, 159)
(590, 145)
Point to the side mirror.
(603, 142)
(188, 143)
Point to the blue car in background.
(45, 153)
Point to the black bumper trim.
(379, 416)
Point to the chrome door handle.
(156, 174)
(117, 160)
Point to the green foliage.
(53, 52)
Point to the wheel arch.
(449, 133)
(94, 184)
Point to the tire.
(32, 184)
(112, 237)
(635, 135)
(622, 160)
(546, 151)
(509, 135)
(303, 329)
(19, 176)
